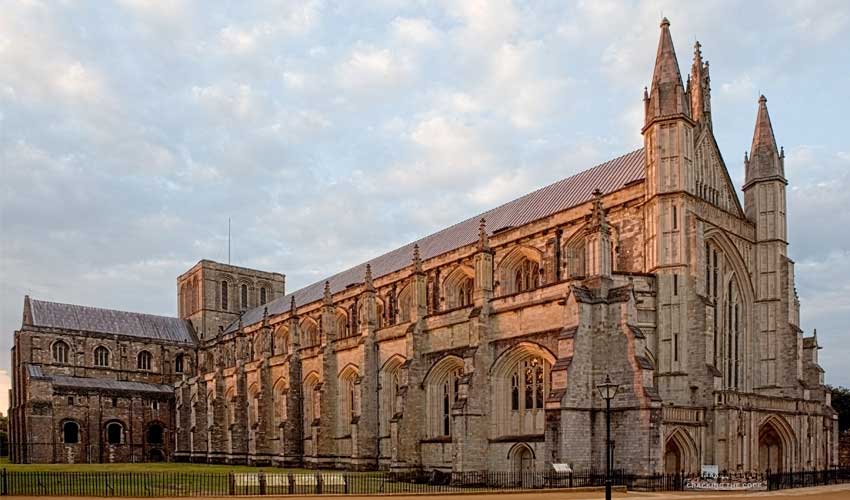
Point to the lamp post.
(607, 390)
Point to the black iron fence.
(802, 479)
(197, 484)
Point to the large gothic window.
(521, 379)
(458, 286)
(101, 356)
(60, 352)
(310, 398)
(442, 385)
(723, 288)
(389, 394)
(519, 271)
(244, 296)
(178, 363)
(262, 295)
(342, 325)
(347, 407)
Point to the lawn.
(171, 467)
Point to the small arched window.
(262, 295)
(405, 304)
(144, 361)
(224, 297)
(101, 356)
(60, 352)
(178, 363)
(244, 296)
(114, 433)
(70, 432)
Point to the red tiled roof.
(610, 176)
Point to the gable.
(711, 177)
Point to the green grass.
(175, 467)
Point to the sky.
(332, 131)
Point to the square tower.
(212, 295)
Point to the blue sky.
(333, 131)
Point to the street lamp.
(607, 390)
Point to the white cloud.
(417, 31)
(370, 67)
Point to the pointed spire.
(667, 94)
(292, 308)
(699, 88)
(326, 295)
(765, 157)
(417, 259)
(483, 239)
(367, 280)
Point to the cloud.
(329, 132)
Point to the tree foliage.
(841, 404)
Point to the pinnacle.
(665, 23)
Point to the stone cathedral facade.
(479, 347)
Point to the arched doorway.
(770, 449)
(672, 458)
(522, 464)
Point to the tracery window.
(311, 399)
(443, 390)
(144, 361)
(520, 271)
(309, 333)
(521, 383)
(281, 340)
(244, 296)
(60, 352)
(458, 287)
(101, 356)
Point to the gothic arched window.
(262, 295)
(458, 286)
(405, 304)
(309, 333)
(347, 409)
(244, 296)
(520, 271)
(389, 392)
(101, 356)
(144, 361)
(442, 387)
(178, 363)
(521, 379)
(60, 351)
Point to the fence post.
(319, 483)
(261, 477)
(231, 483)
(5, 483)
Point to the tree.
(841, 404)
(4, 435)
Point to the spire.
(292, 308)
(667, 94)
(699, 88)
(598, 220)
(766, 161)
(483, 239)
(417, 260)
(367, 280)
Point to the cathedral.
(479, 347)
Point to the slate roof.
(610, 176)
(98, 383)
(94, 319)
